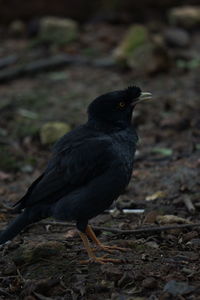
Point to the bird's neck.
(107, 126)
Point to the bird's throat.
(108, 126)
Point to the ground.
(44, 262)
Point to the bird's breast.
(124, 145)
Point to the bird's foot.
(112, 249)
(101, 260)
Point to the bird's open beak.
(143, 96)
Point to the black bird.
(90, 167)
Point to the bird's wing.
(30, 190)
(69, 169)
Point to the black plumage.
(90, 167)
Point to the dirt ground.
(44, 261)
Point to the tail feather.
(14, 228)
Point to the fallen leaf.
(2, 190)
(27, 113)
(70, 233)
(163, 151)
(170, 219)
(2, 217)
(4, 176)
(156, 195)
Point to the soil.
(44, 261)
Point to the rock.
(10, 269)
(177, 37)
(176, 288)
(29, 298)
(139, 52)
(17, 29)
(152, 245)
(112, 272)
(125, 202)
(52, 131)
(27, 169)
(57, 30)
(190, 235)
(186, 16)
(42, 286)
(136, 36)
(194, 243)
(34, 253)
(149, 283)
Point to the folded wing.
(74, 166)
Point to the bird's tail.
(14, 228)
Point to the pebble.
(177, 37)
(149, 283)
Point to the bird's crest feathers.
(133, 92)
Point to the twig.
(20, 276)
(6, 207)
(4, 293)
(51, 63)
(134, 231)
(9, 60)
(189, 204)
(10, 276)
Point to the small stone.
(152, 244)
(112, 272)
(176, 288)
(177, 37)
(10, 269)
(136, 36)
(48, 249)
(124, 202)
(33, 253)
(52, 131)
(187, 271)
(139, 52)
(186, 16)
(58, 31)
(149, 283)
(29, 298)
(135, 298)
(107, 284)
(17, 28)
(27, 169)
(194, 242)
(190, 235)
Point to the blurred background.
(57, 56)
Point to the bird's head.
(115, 108)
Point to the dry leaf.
(70, 233)
(4, 176)
(170, 219)
(150, 218)
(156, 195)
(3, 217)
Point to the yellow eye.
(121, 104)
